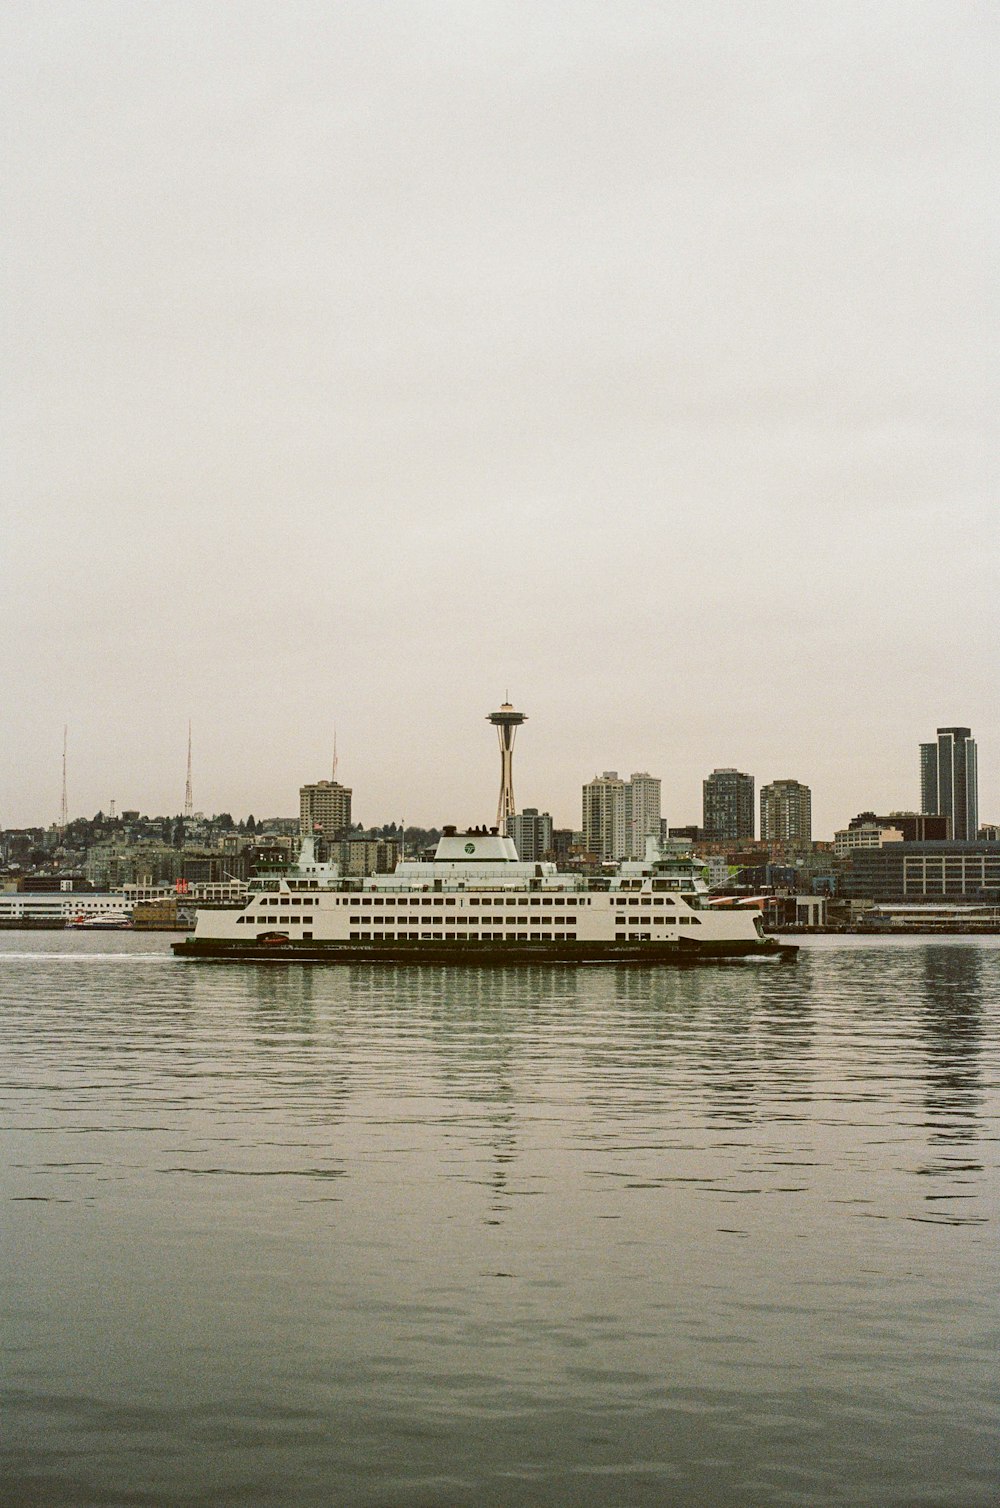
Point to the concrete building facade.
(604, 825)
(642, 812)
(532, 834)
(785, 812)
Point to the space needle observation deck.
(506, 722)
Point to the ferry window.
(307, 937)
(449, 901)
(366, 900)
(646, 901)
(438, 901)
(559, 901)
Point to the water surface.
(283, 1235)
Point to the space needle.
(506, 722)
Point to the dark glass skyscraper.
(727, 805)
(949, 781)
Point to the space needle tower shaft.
(506, 722)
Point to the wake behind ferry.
(476, 902)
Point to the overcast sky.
(365, 361)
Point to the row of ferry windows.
(472, 921)
(470, 900)
(464, 936)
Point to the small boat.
(102, 921)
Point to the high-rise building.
(727, 806)
(604, 831)
(532, 834)
(785, 812)
(325, 807)
(949, 781)
(642, 812)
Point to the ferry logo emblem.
(470, 847)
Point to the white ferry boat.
(476, 902)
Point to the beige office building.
(642, 812)
(326, 807)
(604, 832)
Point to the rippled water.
(280, 1235)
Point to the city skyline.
(543, 800)
(366, 361)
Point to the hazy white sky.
(363, 361)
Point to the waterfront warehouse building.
(325, 807)
(924, 871)
(949, 781)
(785, 812)
(727, 806)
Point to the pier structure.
(506, 722)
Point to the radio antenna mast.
(188, 796)
(334, 775)
(64, 816)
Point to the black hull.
(482, 954)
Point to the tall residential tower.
(786, 812)
(949, 781)
(727, 806)
(325, 807)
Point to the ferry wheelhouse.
(477, 902)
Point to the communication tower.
(506, 722)
(188, 794)
(64, 816)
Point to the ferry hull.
(486, 954)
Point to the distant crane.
(188, 795)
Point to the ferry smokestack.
(506, 722)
